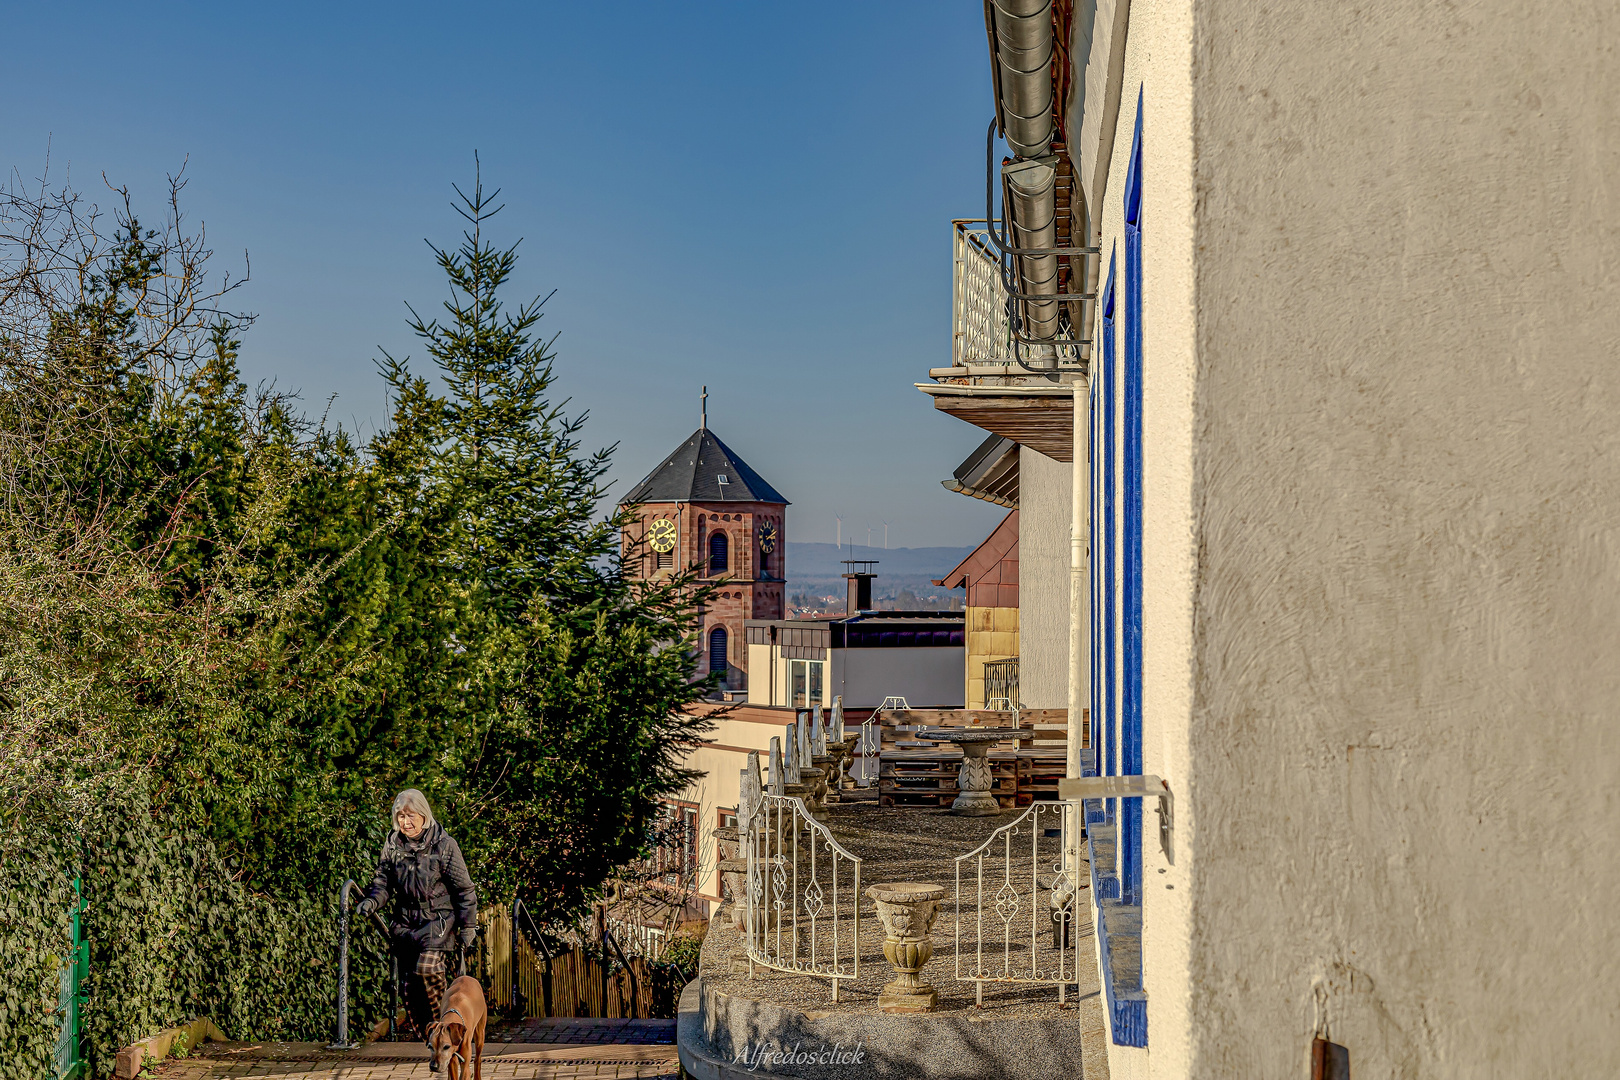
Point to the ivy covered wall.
(36, 928)
(173, 935)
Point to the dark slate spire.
(692, 474)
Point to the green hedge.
(36, 930)
(173, 935)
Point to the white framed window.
(808, 679)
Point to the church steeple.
(704, 469)
(704, 509)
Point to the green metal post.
(70, 1003)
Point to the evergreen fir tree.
(575, 678)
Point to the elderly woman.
(435, 905)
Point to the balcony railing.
(985, 339)
(1001, 682)
(981, 332)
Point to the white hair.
(411, 799)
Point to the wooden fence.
(580, 985)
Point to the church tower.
(704, 507)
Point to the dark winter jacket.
(432, 892)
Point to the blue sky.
(755, 196)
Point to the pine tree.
(575, 678)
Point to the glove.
(469, 934)
(366, 907)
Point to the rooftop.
(704, 469)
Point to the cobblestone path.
(552, 1049)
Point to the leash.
(456, 1053)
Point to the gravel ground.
(901, 844)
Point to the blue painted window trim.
(1114, 919)
(1095, 554)
(1131, 680)
(1110, 551)
(1116, 529)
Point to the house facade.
(989, 575)
(862, 657)
(1312, 364)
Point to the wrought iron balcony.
(991, 341)
(981, 330)
(986, 385)
(1001, 682)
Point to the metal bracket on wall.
(1127, 787)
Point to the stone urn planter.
(813, 781)
(844, 751)
(907, 910)
(828, 764)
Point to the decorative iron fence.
(803, 891)
(1017, 902)
(870, 746)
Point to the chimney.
(859, 574)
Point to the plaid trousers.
(424, 988)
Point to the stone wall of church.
(754, 588)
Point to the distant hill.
(826, 560)
(818, 570)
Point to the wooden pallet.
(1038, 774)
(914, 777)
(1026, 769)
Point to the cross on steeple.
(703, 411)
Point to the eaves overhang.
(1040, 417)
(989, 473)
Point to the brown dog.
(458, 1033)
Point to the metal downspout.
(1032, 204)
(1079, 606)
(1023, 36)
(1022, 32)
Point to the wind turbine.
(869, 534)
(885, 536)
(840, 532)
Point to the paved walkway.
(552, 1049)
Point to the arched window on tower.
(717, 650)
(717, 552)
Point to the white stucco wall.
(1382, 252)
(1098, 48)
(1045, 493)
(720, 761)
(764, 682)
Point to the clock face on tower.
(767, 538)
(662, 534)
